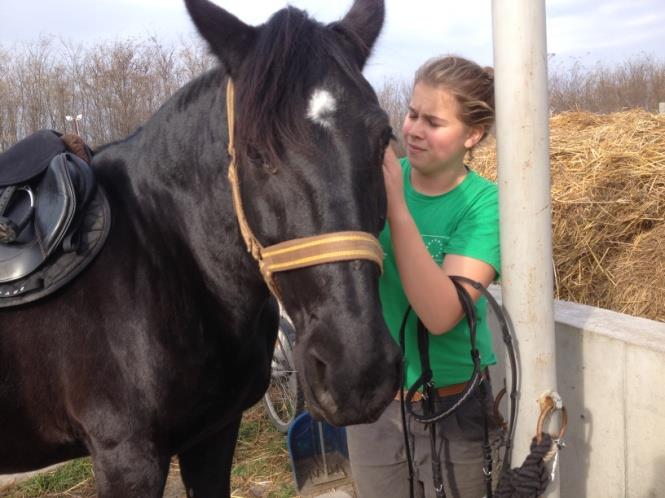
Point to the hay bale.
(608, 189)
(639, 272)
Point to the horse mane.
(287, 60)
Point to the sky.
(584, 31)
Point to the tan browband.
(295, 253)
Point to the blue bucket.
(319, 454)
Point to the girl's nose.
(415, 129)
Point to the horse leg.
(206, 467)
(131, 469)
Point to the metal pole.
(520, 62)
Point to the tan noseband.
(295, 253)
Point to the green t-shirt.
(464, 221)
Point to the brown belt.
(443, 391)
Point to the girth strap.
(295, 253)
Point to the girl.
(442, 220)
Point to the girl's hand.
(393, 178)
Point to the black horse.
(158, 347)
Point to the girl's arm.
(426, 284)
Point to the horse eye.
(387, 136)
(254, 155)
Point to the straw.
(608, 207)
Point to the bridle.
(429, 416)
(299, 252)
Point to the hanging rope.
(532, 478)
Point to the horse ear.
(364, 21)
(228, 37)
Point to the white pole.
(661, 107)
(520, 62)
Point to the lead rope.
(532, 478)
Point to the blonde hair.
(471, 85)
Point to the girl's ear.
(474, 135)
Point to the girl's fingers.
(389, 157)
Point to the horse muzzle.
(345, 386)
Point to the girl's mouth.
(415, 148)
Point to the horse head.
(309, 137)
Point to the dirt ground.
(174, 487)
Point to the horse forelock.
(291, 59)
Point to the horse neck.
(169, 180)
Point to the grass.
(261, 468)
(72, 479)
(261, 463)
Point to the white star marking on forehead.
(321, 106)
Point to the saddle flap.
(29, 157)
(83, 179)
(55, 206)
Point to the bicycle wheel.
(283, 399)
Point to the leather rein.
(299, 252)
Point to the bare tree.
(394, 97)
(116, 86)
(638, 82)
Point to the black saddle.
(54, 219)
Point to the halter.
(300, 252)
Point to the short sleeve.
(477, 232)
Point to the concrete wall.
(611, 375)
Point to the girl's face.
(436, 140)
